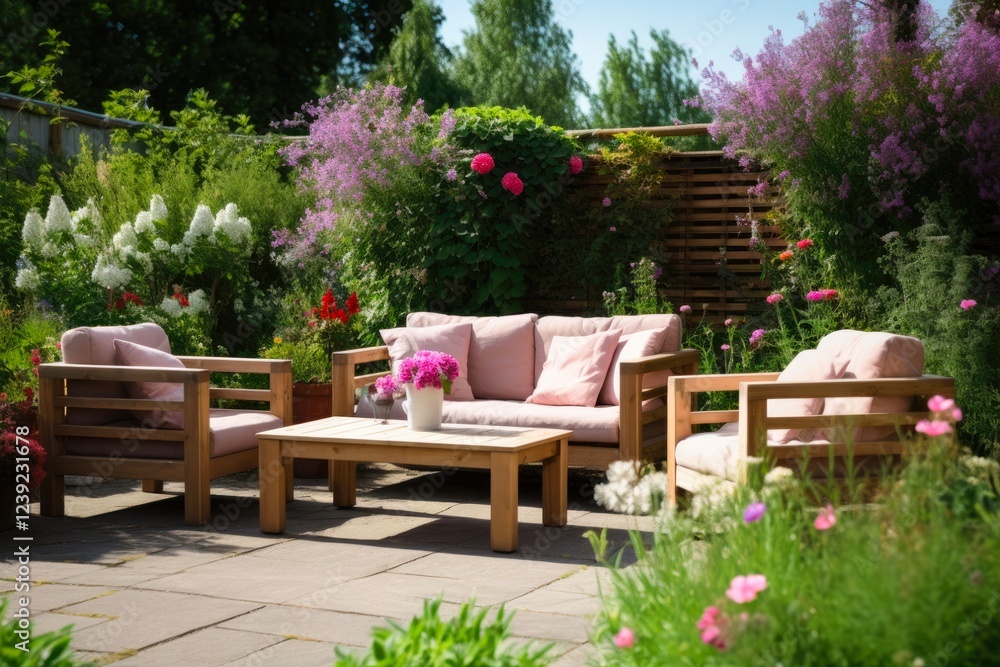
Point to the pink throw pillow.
(807, 366)
(575, 368)
(452, 339)
(133, 354)
(630, 346)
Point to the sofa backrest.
(872, 355)
(95, 345)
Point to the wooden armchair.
(87, 425)
(693, 457)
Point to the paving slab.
(309, 624)
(547, 600)
(210, 647)
(290, 652)
(46, 597)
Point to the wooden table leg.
(503, 501)
(555, 486)
(344, 479)
(272, 487)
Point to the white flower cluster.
(227, 223)
(629, 492)
(49, 236)
(983, 469)
(197, 303)
(109, 274)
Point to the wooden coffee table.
(349, 440)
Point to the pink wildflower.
(625, 638)
(826, 519)
(724, 347)
(774, 298)
(575, 164)
(685, 308)
(711, 624)
(612, 229)
(814, 295)
(606, 202)
(728, 322)
(483, 163)
(757, 335)
(451, 174)
(967, 304)
(804, 243)
(513, 183)
(754, 512)
(940, 404)
(932, 429)
(829, 294)
(744, 589)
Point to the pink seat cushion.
(452, 339)
(575, 369)
(131, 354)
(95, 345)
(807, 366)
(872, 355)
(630, 346)
(231, 431)
(501, 352)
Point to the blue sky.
(712, 29)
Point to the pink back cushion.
(551, 326)
(807, 366)
(95, 345)
(630, 324)
(501, 352)
(630, 346)
(575, 369)
(451, 339)
(131, 354)
(872, 355)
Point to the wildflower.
(779, 477)
(513, 183)
(754, 512)
(942, 405)
(785, 256)
(774, 298)
(829, 294)
(826, 518)
(685, 308)
(625, 638)
(606, 202)
(710, 624)
(814, 295)
(967, 304)
(724, 347)
(451, 174)
(804, 243)
(612, 229)
(757, 335)
(932, 429)
(483, 163)
(277, 340)
(728, 322)
(744, 589)
(575, 164)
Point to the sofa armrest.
(344, 375)
(278, 395)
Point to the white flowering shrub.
(629, 491)
(137, 274)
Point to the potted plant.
(427, 376)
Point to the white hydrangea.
(197, 302)
(33, 232)
(144, 223)
(180, 250)
(229, 223)
(202, 224)
(28, 279)
(49, 249)
(172, 306)
(58, 218)
(88, 212)
(160, 245)
(158, 208)
(142, 258)
(628, 492)
(83, 240)
(109, 274)
(125, 237)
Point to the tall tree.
(262, 57)
(418, 61)
(517, 55)
(639, 91)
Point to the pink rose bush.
(428, 369)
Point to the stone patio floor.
(141, 588)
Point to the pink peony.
(967, 304)
(483, 163)
(745, 589)
(826, 518)
(625, 638)
(804, 243)
(774, 298)
(575, 164)
(513, 183)
(932, 429)
(685, 308)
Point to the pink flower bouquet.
(428, 369)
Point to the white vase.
(423, 408)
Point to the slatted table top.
(356, 430)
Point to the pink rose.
(513, 183)
(575, 164)
(483, 163)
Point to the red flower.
(352, 304)
(785, 256)
(483, 163)
(181, 299)
(804, 243)
(513, 183)
(575, 164)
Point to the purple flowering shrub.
(860, 126)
